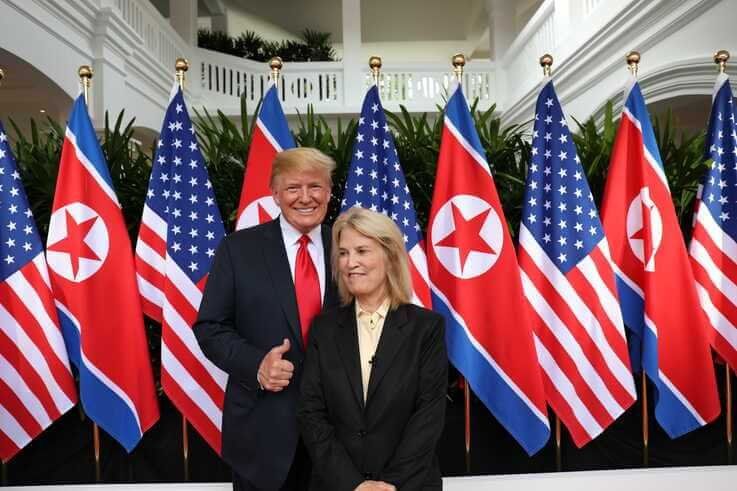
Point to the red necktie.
(307, 286)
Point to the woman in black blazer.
(372, 402)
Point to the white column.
(502, 33)
(501, 27)
(353, 65)
(183, 18)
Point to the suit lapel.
(346, 340)
(390, 343)
(330, 298)
(281, 277)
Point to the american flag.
(375, 181)
(36, 384)
(714, 243)
(569, 283)
(180, 230)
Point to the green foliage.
(685, 165)
(417, 140)
(594, 147)
(508, 152)
(130, 169)
(314, 46)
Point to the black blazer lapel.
(281, 277)
(390, 343)
(346, 340)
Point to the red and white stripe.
(579, 337)
(36, 383)
(714, 260)
(420, 276)
(189, 379)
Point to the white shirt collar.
(291, 235)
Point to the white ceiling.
(381, 20)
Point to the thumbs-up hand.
(274, 372)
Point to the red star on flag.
(74, 244)
(466, 235)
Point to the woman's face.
(362, 266)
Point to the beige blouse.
(370, 326)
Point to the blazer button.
(361, 433)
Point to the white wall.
(240, 21)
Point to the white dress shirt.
(315, 248)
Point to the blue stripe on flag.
(81, 126)
(672, 415)
(636, 105)
(633, 306)
(70, 333)
(100, 403)
(272, 115)
(511, 411)
(457, 112)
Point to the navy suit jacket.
(249, 306)
(393, 435)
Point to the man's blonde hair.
(386, 233)
(302, 159)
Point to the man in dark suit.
(266, 284)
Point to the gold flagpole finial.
(181, 66)
(458, 61)
(633, 61)
(375, 66)
(546, 61)
(85, 73)
(276, 64)
(720, 58)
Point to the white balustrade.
(159, 39)
(420, 86)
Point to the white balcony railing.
(224, 79)
(159, 39)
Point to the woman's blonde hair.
(302, 159)
(386, 233)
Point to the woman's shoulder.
(421, 314)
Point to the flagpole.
(459, 61)
(728, 411)
(276, 64)
(720, 58)
(375, 66)
(633, 62)
(181, 65)
(85, 74)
